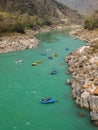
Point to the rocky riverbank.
(85, 35)
(83, 65)
(16, 41)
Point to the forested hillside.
(17, 15)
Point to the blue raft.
(54, 72)
(47, 100)
(50, 57)
(67, 49)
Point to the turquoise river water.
(23, 85)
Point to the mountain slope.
(20, 14)
(37, 7)
(83, 6)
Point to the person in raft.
(46, 99)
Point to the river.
(23, 85)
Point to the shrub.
(91, 22)
(19, 28)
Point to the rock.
(67, 72)
(2, 46)
(70, 70)
(95, 123)
(68, 82)
(96, 82)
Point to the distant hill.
(16, 15)
(82, 6)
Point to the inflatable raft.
(47, 100)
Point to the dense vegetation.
(17, 15)
(11, 22)
(92, 21)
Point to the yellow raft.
(34, 64)
(39, 61)
(54, 55)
